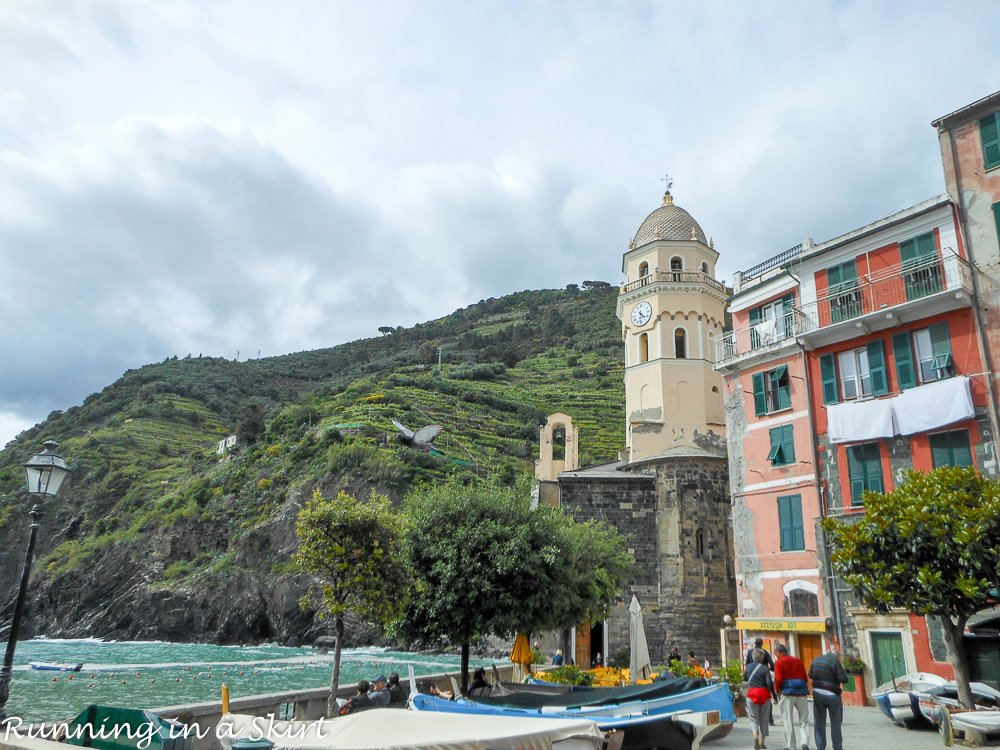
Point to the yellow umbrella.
(521, 655)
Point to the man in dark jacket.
(827, 675)
(792, 687)
(759, 643)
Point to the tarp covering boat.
(386, 729)
(601, 697)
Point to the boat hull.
(52, 667)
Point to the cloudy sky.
(217, 176)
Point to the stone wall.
(676, 513)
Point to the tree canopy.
(931, 546)
(485, 562)
(354, 550)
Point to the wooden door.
(887, 655)
(583, 646)
(810, 646)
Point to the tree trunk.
(465, 668)
(954, 633)
(331, 703)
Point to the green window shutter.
(940, 450)
(798, 529)
(961, 450)
(787, 444)
(785, 394)
(759, 400)
(873, 468)
(850, 274)
(774, 456)
(855, 473)
(755, 316)
(908, 252)
(834, 277)
(989, 132)
(876, 367)
(902, 351)
(785, 522)
(996, 218)
(778, 373)
(828, 374)
(926, 247)
(941, 349)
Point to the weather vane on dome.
(667, 181)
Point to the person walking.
(792, 687)
(827, 675)
(759, 643)
(760, 688)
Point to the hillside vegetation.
(156, 537)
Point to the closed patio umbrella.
(639, 664)
(521, 656)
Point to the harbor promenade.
(864, 729)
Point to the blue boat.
(899, 698)
(679, 721)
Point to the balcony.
(760, 340)
(674, 277)
(887, 298)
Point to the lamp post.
(44, 473)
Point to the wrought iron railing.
(767, 333)
(675, 277)
(888, 288)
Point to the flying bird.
(421, 439)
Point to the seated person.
(431, 689)
(557, 660)
(379, 694)
(479, 685)
(397, 694)
(359, 702)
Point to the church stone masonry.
(669, 491)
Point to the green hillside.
(194, 547)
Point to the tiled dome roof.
(668, 222)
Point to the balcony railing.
(739, 343)
(883, 290)
(675, 277)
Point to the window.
(790, 523)
(643, 347)
(855, 377)
(643, 269)
(771, 322)
(676, 266)
(782, 446)
(864, 468)
(951, 449)
(704, 268)
(921, 269)
(844, 297)
(862, 373)
(680, 344)
(933, 349)
(801, 603)
(772, 391)
(989, 133)
(996, 217)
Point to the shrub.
(571, 676)
(854, 665)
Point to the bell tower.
(672, 313)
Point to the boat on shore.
(899, 699)
(387, 729)
(54, 666)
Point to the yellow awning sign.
(799, 626)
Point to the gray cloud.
(206, 178)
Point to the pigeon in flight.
(421, 439)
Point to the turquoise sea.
(153, 674)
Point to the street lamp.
(45, 473)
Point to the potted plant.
(733, 675)
(854, 690)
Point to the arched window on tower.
(676, 265)
(559, 443)
(643, 269)
(680, 344)
(643, 347)
(704, 269)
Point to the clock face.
(641, 313)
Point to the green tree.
(484, 562)
(931, 546)
(354, 551)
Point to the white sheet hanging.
(933, 405)
(860, 420)
(767, 331)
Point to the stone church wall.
(685, 586)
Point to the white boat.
(944, 698)
(899, 698)
(388, 729)
(979, 721)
